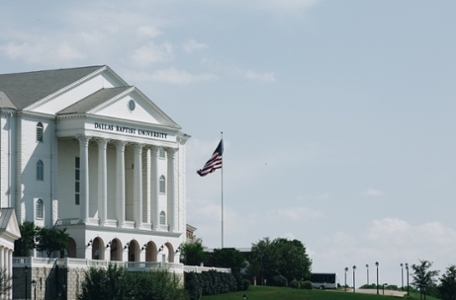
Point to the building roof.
(24, 89)
(94, 100)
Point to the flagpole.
(222, 191)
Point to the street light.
(407, 269)
(354, 268)
(346, 270)
(376, 264)
(367, 271)
(385, 284)
(402, 276)
(26, 284)
(34, 288)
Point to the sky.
(338, 117)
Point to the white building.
(83, 150)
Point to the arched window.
(162, 218)
(39, 132)
(39, 170)
(39, 209)
(162, 184)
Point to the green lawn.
(275, 293)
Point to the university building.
(81, 149)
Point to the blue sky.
(338, 116)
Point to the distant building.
(190, 233)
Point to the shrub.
(193, 286)
(294, 284)
(245, 284)
(308, 285)
(280, 280)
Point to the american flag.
(214, 163)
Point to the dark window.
(39, 170)
(39, 209)
(76, 180)
(162, 184)
(39, 132)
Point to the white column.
(10, 272)
(102, 182)
(120, 182)
(154, 183)
(146, 186)
(84, 176)
(137, 192)
(170, 189)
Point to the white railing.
(199, 269)
(68, 222)
(68, 262)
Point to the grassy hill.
(276, 293)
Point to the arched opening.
(116, 250)
(98, 249)
(170, 252)
(71, 248)
(133, 251)
(151, 251)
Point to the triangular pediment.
(9, 227)
(126, 103)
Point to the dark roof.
(93, 100)
(24, 89)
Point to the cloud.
(151, 53)
(373, 193)
(251, 75)
(148, 31)
(170, 75)
(192, 45)
(297, 214)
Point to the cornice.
(35, 114)
(8, 111)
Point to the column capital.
(138, 146)
(120, 143)
(102, 141)
(83, 139)
(171, 151)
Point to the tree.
(192, 253)
(5, 282)
(447, 286)
(24, 245)
(229, 258)
(280, 257)
(51, 240)
(422, 277)
(293, 261)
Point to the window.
(76, 180)
(162, 218)
(39, 132)
(162, 184)
(39, 209)
(161, 153)
(39, 170)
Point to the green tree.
(51, 240)
(279, 257)
(24, 245)
(229, 258)
(293, 261)
(447, 287)
(103, 284)
(423, 278)
(192, 253)
(262, 261)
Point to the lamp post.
(346, 270)
(354, 269)
(367, 272)
(376, 264)
(385, 284)
(26, 283)
(407, 269)
(34, 288)
(402, 276)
